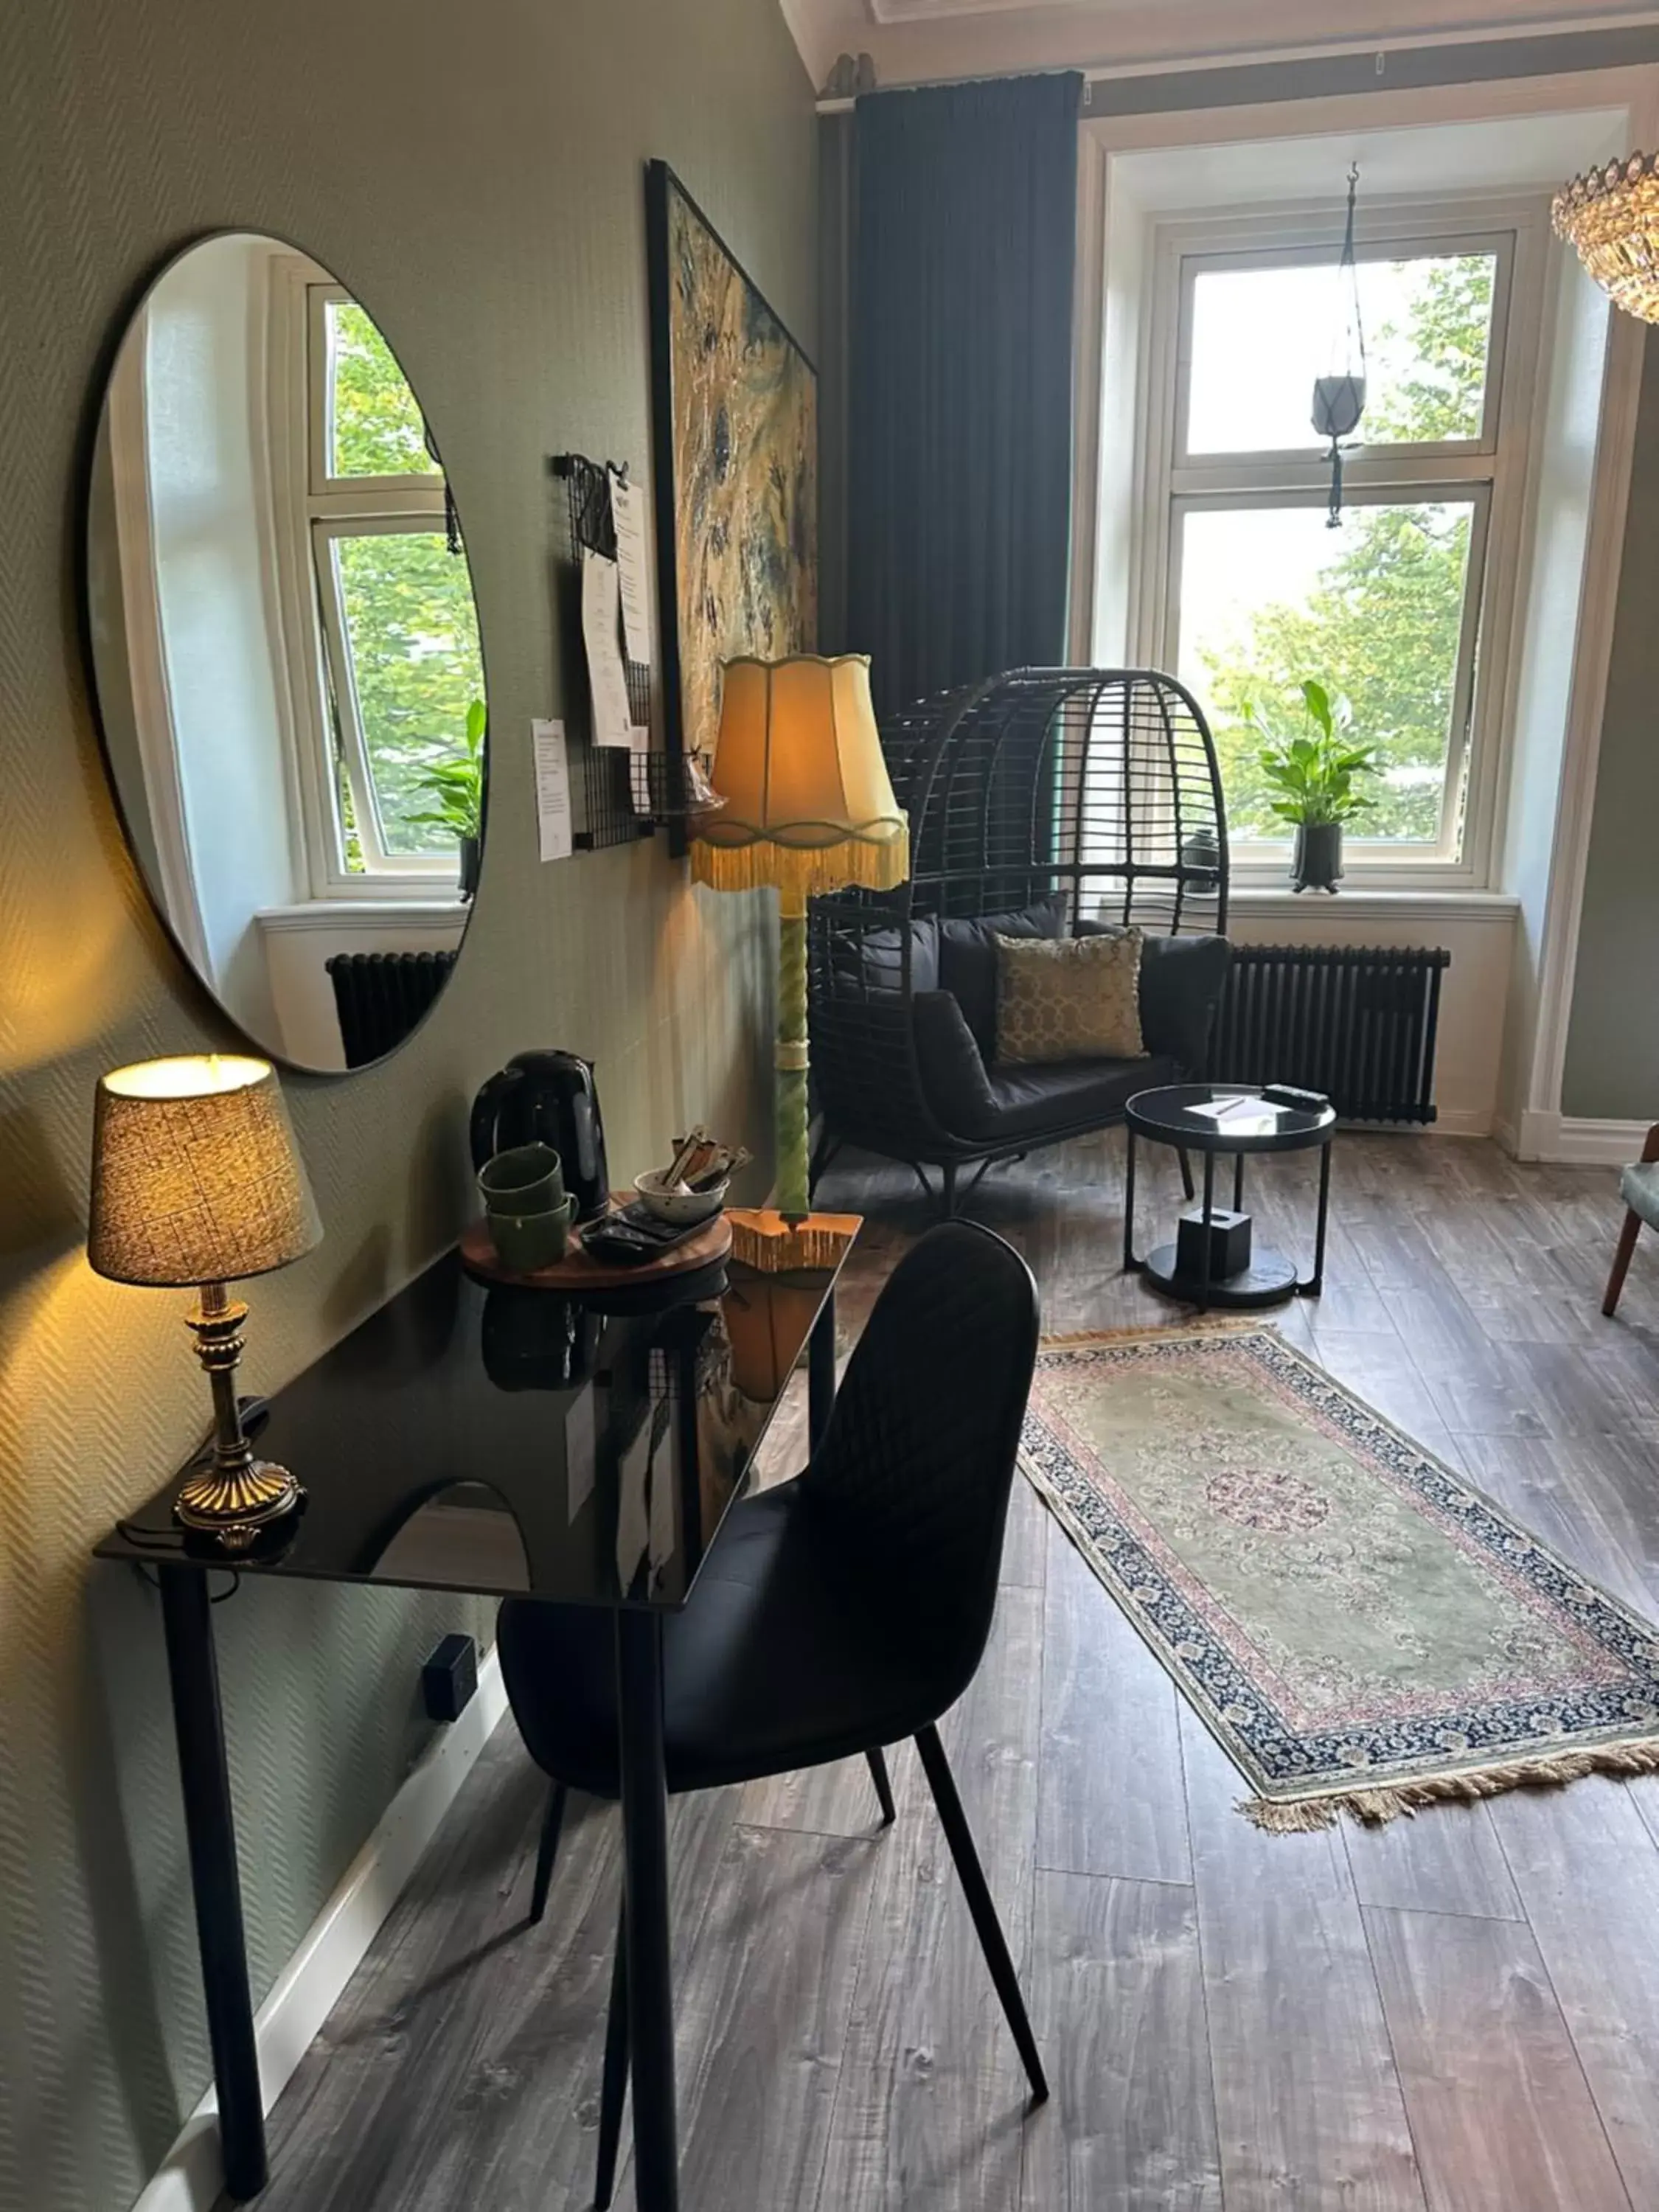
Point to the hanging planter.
(1339, 395)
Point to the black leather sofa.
(928, 1087)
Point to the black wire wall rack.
(604, 775)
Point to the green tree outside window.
(407, 600)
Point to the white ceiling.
(914, 41)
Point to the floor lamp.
(807, 808)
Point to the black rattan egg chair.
(1043, 802)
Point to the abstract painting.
(735, 421)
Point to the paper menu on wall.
(552, 789)
(607, 678)
(627, 513)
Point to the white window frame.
(312, 509)
(1493, 466)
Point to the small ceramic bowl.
(685, 1208)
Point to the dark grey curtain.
(959, 424)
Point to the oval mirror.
(286, 653)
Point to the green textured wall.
(474, 175)
(1611, 1070)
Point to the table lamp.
(809, 808)
(196, 1182)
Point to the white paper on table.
(1228, 1109)
(552, 789)
(627, 513)
(581, 1449)
(607, 678)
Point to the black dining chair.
(837, 1612)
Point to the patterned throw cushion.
(1069, 997)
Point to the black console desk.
(500, 1443)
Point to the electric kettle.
(548, 1098)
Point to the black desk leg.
(1315, 1282)
(1206, 1257)
(212, 1835)
(1130, 1262)
(821, 1374)
(1238, 1182)
(645, 1879)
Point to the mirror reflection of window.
(286, 648)
(400, 633)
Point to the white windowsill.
(332, 915)
(1376, 901)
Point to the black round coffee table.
(1214, 1260)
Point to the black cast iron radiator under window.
(380, 996)
(1356, 1022)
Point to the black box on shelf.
(1229, 1243)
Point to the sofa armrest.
(952, 1073)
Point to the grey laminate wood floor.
(1458, 2013)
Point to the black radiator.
(379, 997)
(1356, 1022)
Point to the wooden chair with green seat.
(1638, 1186)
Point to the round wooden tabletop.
(579, 1272)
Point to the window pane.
(375, 427)
(1374, 612)
(1260, 336)
(413, 637)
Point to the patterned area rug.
(1361, 1630)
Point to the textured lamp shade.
(195, 1178)
(809, 807)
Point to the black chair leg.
(615, 2087)
(878, 1765)
(987, 1926)
(547, 1850)
(1186, 1183)
(947, 1197)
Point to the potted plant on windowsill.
(1314, 776)
(455, 787)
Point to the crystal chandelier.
(1612, 216)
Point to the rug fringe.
(1193, 1324)
(1301, 1816)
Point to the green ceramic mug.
(525, 1179)
(527, 1241)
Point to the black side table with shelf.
(1213, 1261)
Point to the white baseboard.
(191, 2177)
(1598, 1144)
(1574, 1141)
(1460, 1121)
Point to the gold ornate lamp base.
(236, 1495)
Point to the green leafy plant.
(455, 786)
(1313, 774)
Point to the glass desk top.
(1175, 1115)
(503, 1442)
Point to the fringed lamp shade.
(195, 1178)
(1612, 216)
(809, 807)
